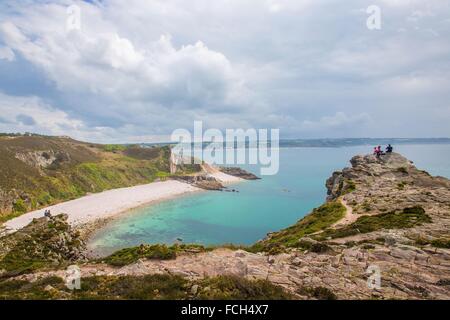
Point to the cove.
(262, 206)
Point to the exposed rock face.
(240, 173)
(413, 262)
(379, 174)
(377, 185)
(406, 272)
(411, 265)
(43, 159)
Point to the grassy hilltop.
(38, 171)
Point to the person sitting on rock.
(378, 152)
(389, 149)
(47, 214)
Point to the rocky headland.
(382, 215)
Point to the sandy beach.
(100, 206)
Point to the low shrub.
(318, 220)
(130, 255)
(407, 218)
(320, 293)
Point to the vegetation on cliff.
(149, 287)
(38, 171)
(367, 221)
(128, 256)
(406, 218)
(45, 243)
(318, 220)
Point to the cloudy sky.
(136, 70)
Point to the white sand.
(106, 204)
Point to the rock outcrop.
(397, 225)
(391, 183)
(238, 172)
(395, 230)
(43, 159)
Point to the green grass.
(23, 290)
(319, 293)
(350, 187)
(346, 186)
(130, 255)
(114, 147)
(443, 243)
(407, 218)
(149, 287)
(39, 245)
(235, 288)
(9, 215)
(19, 206)
(82, 168)
(157, 252)
(318, 220)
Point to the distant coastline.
(290, 142)
(338, 142)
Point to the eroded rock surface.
(414, 261)
(392, 183)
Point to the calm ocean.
(262, 206)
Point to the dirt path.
(349, 217)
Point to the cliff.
(382, 215)
(38, 171)
(390, 185)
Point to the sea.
(257, 207)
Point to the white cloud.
(416, 84)
(338, 121)
(143, 68)
(7, 54)
(32, 114)
(113, 66)
(35, 114)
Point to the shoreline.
(88, 230)
(92, 211)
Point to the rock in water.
(238, 172)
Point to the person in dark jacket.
(389, 149)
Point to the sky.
(135, 70)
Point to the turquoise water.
(262, 206)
